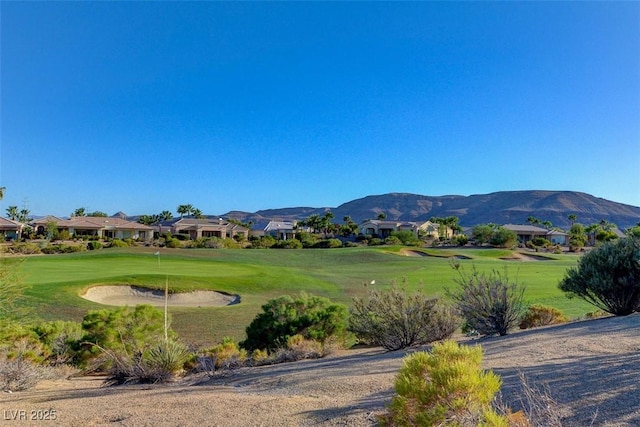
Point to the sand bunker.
(133, 295)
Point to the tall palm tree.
(572, 218)
(184, 210)
(2, 192)
(197, 213)
(12, 212)
(166, 215)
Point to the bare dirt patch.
(591, 368)
(133, 295)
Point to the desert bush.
(460, 239)
(61, 340)
(118, 243)
(608, 277)
(93, 245)
(288, 244)
(489, 303)
(227, 354)
(375, 241)
(313, 317)
(262, 242)
(24, 248)
(596, 314)
(123, 331)
(61, 235)
(328, 244)
(18, 373)
(444, 387)
(172, 242)
(392, 241)
(406, 237)
(540, 315)
(503, 238)
(395, 319)
(160, 363)
(19, 340)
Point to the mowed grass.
(56, 281)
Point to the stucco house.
(10, 229)
(528, 232)
(195, 228)
(102, 227)
(282, 230)
(384, 228)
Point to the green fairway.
(55, 281)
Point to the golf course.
(55, 284)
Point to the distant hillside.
(500, 208)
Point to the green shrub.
(392, 241)
(61, 235)
(608, 277)
(375, 241)
(460, 239)
(503, 238)
(489, 304)
(445, 387)
(122, 331)
(406, 237)
(395, 319)
(311, 316)
(328, 244)
(288, 244)
(61, 339)
(93, 245)
(118, 243)
(540, 315)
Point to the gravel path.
(591, 368)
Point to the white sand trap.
(133, 295)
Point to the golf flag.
(157, 253)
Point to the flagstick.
(166, 302)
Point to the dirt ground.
(591, 368)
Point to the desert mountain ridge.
(499, 207)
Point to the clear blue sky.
(142, 106)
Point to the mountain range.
(499, 208)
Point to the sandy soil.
(591, 368)
(133, 295)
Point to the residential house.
(528, 232)
(384, 228)
(102, 227)
(282, 230)
(10, 229)
(196, 228)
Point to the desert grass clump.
(541, 315)
(489, 303)
(396, 319)
(227, 354)
(445, 387)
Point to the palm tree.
(2, 192)
(79, 212)
(184, 210)
(166, 215)
(12, 212)
(533, 220)
(197, 213)
(572, 218)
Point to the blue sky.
(142, 106)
